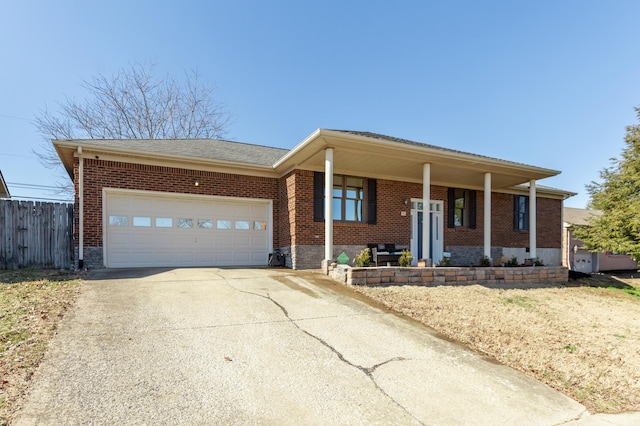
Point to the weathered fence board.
(34, 234)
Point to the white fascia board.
(483, 163)
(294, 152)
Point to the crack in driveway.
(368, 371)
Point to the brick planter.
(450, 276)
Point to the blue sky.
(547, 83)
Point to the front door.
(436, 229)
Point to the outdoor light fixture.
(195, 182)
(406, 202)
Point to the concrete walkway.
(265, 346)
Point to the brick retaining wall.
(449, 276)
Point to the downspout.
(80, 209)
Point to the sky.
(547, 83)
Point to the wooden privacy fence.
(35, 234)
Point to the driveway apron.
(265, 346)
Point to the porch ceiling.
(396, 159)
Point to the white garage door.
(155, 229)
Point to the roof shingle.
(213, 149)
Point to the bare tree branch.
(134, 104)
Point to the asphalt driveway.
(265, 346)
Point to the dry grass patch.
(32, 302)
(581, 339)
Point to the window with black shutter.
(354, 198)
(520, 212)
(461, 210)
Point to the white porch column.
(328, 204)
(426, 210)
(487, 215)
(532, 219)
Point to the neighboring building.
(220, 203)
(4, 190)
(577, 258)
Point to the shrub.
(485, 261)
(538, 262)
(513, 261)
(405, 258)
(363, 258)
(446, 261)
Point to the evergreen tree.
(617, 229)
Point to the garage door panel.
(224, 240)
(162, 242)
(205, 240)
(117, 203)
(259, 241)
(242, 211)
(241, 257)
(142, 257)
(259, 211)
(205, 258)
(164, 258)
(161, 239)
(224, 259)
(242, 241)
(258, 258)
(119, 258)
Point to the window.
(205, 223)
(259, 226)
(521, 213)
(185, 223)
(461, 209)
(242, 224)
(223, 224)
(118, 221)
(348, 198)
(164, 222)
(141, 221)
(354, 199)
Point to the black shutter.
(372, 203)
(451, 205)
(516, 213)
(472, 209)
(318, 197)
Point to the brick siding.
(292, 195)
(99, 174)
(392, 227)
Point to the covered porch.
(368, 155)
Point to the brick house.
(577, 258)
(221, 203)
